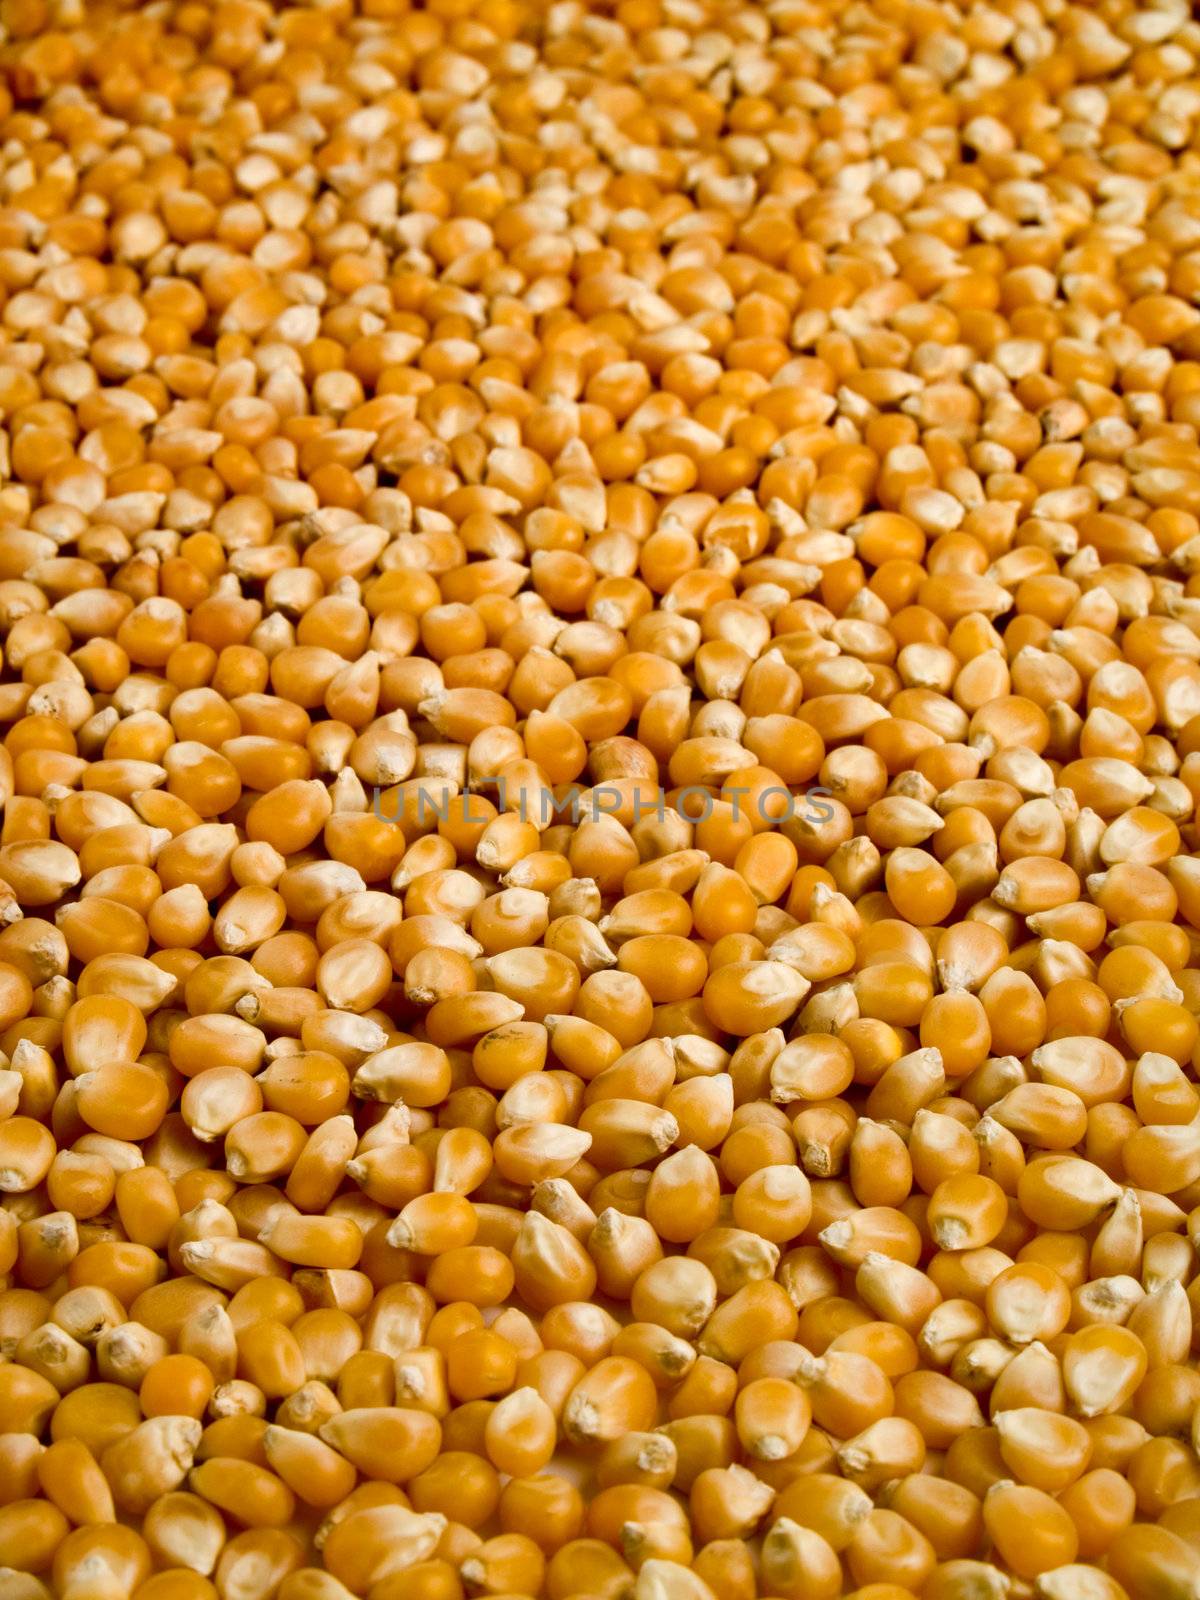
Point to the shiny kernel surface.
(599, 759)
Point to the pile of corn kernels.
(599, 871)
